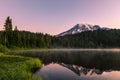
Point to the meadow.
(18, 67)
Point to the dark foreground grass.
(17, 67)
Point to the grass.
(17, 67)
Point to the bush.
(3, 48)
(37, 63)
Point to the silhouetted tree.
(8, 24)
(15, 29)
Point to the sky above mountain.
(56, 16)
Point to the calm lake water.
(77, 64)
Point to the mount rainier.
(78, 28)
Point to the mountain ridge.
(78, 28)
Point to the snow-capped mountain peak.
(78, 28)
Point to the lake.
(76, 64)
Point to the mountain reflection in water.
(55, 71)
(81, 70)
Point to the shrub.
(3, 48)
(37, 63)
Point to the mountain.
(81, 28)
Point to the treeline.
(90, 39)
(25, 39)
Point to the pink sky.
(56, 16)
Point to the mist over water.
(77, 64)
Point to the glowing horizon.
(56, 16)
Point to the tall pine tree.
(8, 31)
(8, 24)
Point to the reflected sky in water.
(55, 71)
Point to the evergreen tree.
(15, 29)
(8, 24)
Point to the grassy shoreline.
(17, 67)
